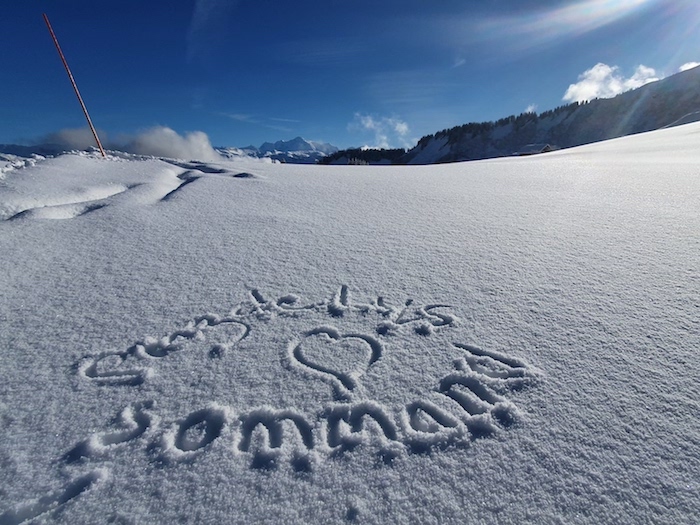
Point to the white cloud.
(387, 131)
(265, 122)
(688, 65)
(165, 142)
(532, 108)
(241, 117)
(604, 81)
(401, 128)
(289, 120)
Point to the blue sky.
(363, 73)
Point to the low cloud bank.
(74, 138)
(159, 141)
(604, 81)
(165, 142)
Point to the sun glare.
(574, 19)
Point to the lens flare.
(686, 33)
(571, 20)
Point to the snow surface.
(505, 341)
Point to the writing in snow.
(473, 392)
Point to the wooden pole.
(75, 86)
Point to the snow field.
(504, 341)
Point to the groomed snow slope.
(506, 341)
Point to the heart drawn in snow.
(334, 357)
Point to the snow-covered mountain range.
(295, 151)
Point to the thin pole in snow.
(75, 86)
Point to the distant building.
(533, 149)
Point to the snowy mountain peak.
(297, 144)
(296, 151)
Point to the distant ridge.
(28, 151)
(674, 100)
